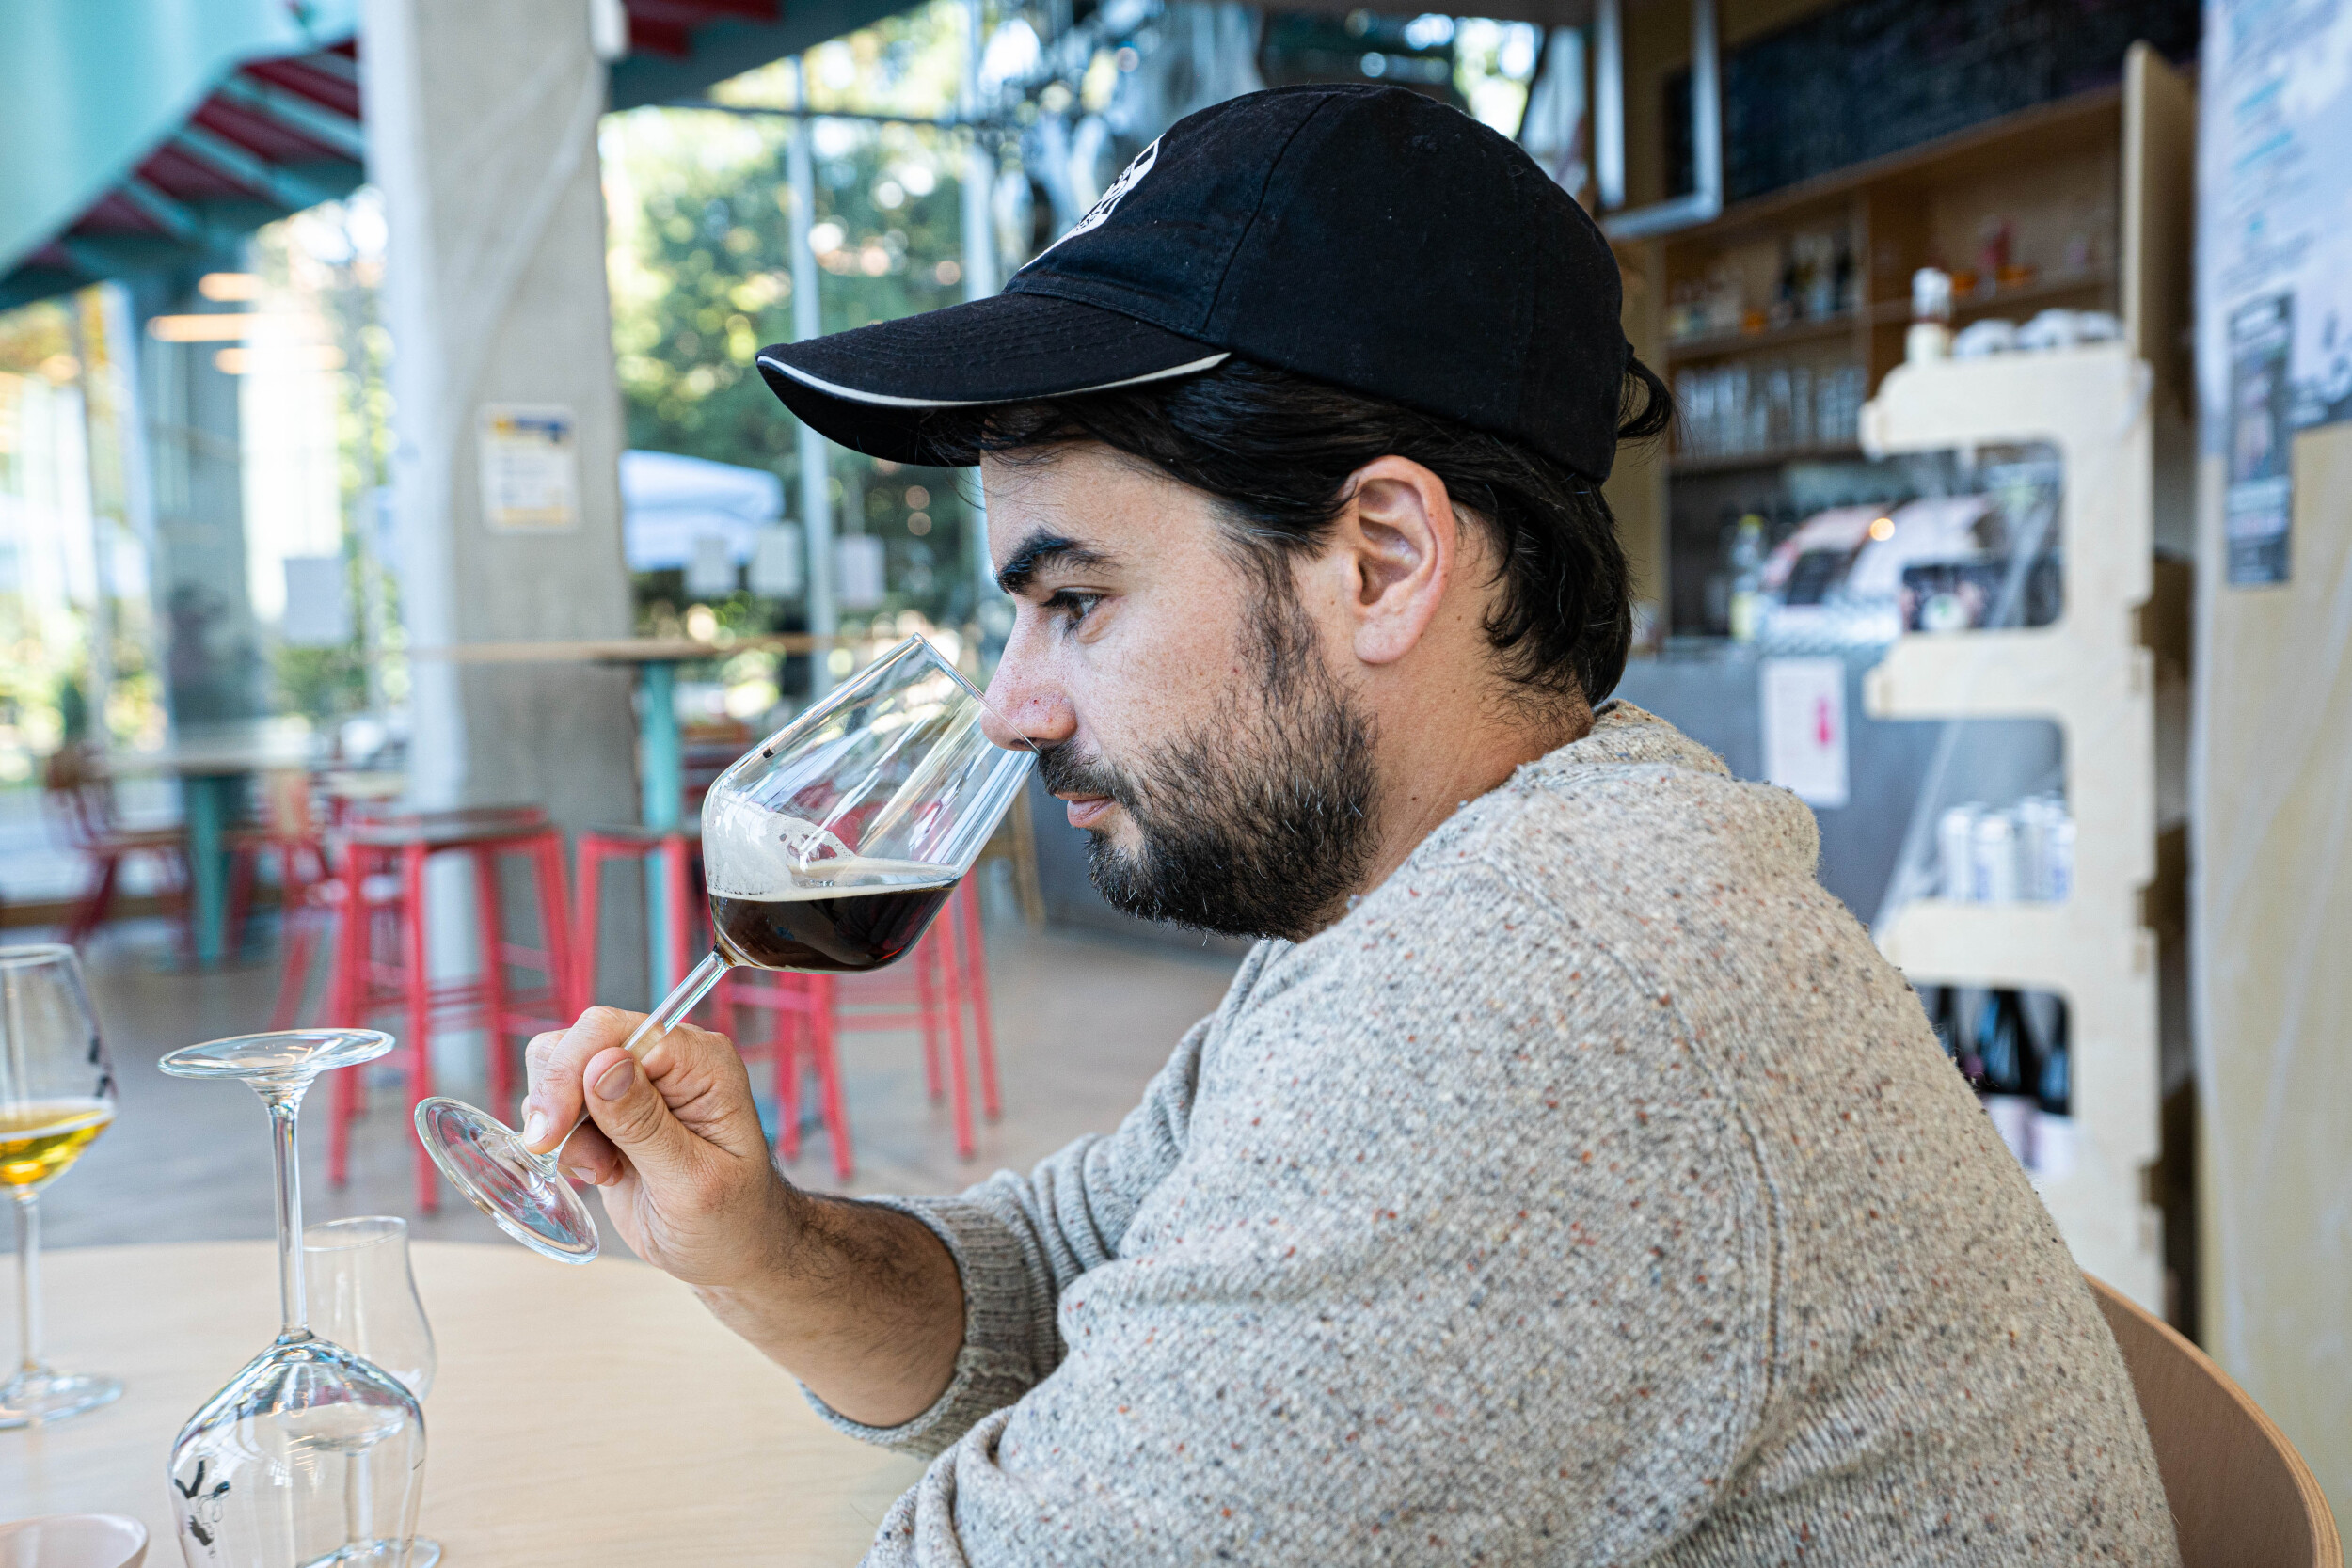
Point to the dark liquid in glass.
(844, 934)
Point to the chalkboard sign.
(1872, 77)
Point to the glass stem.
(285, 1105)
(674, 1006)
(29, 1282)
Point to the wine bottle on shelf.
(2007, 1088)
(2054, 1099)
(1968, 1002)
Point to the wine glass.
(363, 1296)
(828, 849)
(56, 1094)
(311, 1455)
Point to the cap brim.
(871, 388)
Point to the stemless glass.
(56, 1094)
(828, 849)
(363, 1296)
(311, 1455)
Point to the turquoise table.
(215, 765)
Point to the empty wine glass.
(311, 1455)
(363, 1297)
(56, 1094)
(828, 849)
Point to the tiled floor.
(1082, 1022)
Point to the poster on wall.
(2255, 500)
(530, 461)
(1803, 720)
(2274, 267)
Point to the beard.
(1259, 826)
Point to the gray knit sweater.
(1593, 1193)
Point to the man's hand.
(860, 1302)
(676, 1145)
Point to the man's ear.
(1395, 542)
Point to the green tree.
(700, 220)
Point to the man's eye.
(1072, 606)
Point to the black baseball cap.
(1366, 236)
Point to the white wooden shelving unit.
(2087, 672)
(2092, 672)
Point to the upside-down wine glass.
(828, 849)
(56, 1094)
(311, 1455)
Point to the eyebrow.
(1041, 552)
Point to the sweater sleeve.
(1018, 1240)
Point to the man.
(1566, 1179)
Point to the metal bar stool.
(382, 954)
(674, 854)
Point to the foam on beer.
(751, 852)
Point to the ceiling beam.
(282, 186)
(175, 217)
(305, 117)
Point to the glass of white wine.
(56, 1094)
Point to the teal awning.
(150, 134)
(123, 148)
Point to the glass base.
(288, 1057)
(485, 1160)
(28, 1399)
(423, 1552)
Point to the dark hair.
(1275, 450)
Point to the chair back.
(2240, 1494)
(78, 794)
(288, 807)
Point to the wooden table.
(581, 1417)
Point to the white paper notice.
(530, 467)
(776, 561)
(711, 569)
(318, 603)
(1804, 704)
(858, 560)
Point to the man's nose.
(1025, 706)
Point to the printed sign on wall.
(1804, 727)
(530, 461)
(2273, 255)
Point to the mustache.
(1067, 772)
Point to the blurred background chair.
(2241, 1495)
(929, 992)
(78, 797)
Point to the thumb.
(630, 1112)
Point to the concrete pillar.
(481, 135)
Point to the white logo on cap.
(1100, 212)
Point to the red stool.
(382, 956)
(674, 854)
(926, 990)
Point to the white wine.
(39, 1139)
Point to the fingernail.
(617, 1079)
(535, 1127)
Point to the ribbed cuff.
(995, 1366)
